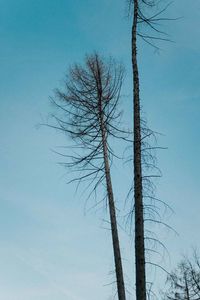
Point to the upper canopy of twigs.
(88, 101)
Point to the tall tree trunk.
(139, 214)
(113, 220)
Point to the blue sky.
(50, 248)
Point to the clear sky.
(49, 247)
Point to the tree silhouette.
(142, 151)
(184, 281)
(88, 114)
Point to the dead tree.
(140, 7)
(139, 214)
(88, 113)
(184, 281)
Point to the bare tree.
(141, 16)
(139, 214)
(184, 281)
(88, 113)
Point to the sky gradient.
(50, 246)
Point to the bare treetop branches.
(85, 86)
(184, 281)
(89, 91)
(151, 16)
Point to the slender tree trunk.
(187, 293)
(139, 214)
(115, 238)
(113, 220)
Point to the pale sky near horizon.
(51, 248)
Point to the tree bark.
(112, 212)
(138, 198)
(115, 238)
